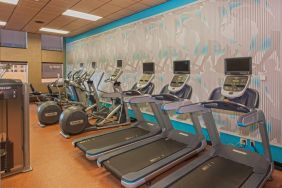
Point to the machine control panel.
(235, 83)
(144, 80)
(178, 81)
(116, 74)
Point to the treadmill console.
(238, 74)
(178, 81)
(118, 72)
(181, 70)
(145, 80)
(148, 75)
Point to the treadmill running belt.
(139, 158)
(110, 139)
(217, 172)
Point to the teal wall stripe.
(171, 4)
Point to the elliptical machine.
(75, 121)
(49, 112)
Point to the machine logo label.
(51, 114)
(183, 134)
(77, 122)
(240, 152)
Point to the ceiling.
(26, 13)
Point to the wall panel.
(205, 32)
(33, 55)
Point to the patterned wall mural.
(205, 32)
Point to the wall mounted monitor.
(149, 68)
(119, 63)
(238, 66)
(181, 67)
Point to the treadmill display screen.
(93, 64)
(238, 66)
(149, 68)
(119, 63)
(181, 67)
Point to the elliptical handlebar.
(69, 75)
(132, 93)
(75, 73)
(99, 83)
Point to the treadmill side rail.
(258, 117)
(175, 105)
(251, 118)
(192, 108)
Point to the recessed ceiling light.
(3, 23)
(81, 15)
(13, 2)
(50, 30)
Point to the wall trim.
(145, 14)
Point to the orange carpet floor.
(57, 164)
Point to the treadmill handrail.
(153, 98)
(257, 117)
(191, 108)
(140, 99)
(175, 105)
(217, 104)
(250, 118)
(167, 97)
(232, 106)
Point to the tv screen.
(181, 67)
(239, 65)
(93, 64)
(149, 68)
(119, 63)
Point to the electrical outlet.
(243, 141)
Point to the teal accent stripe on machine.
(225, 138)
(171, 4)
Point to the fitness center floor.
(57, 164)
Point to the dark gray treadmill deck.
(137, 159)
(105, 140)
(217, 172)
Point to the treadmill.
(140, 162)
(96, 145)
(226, 165)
